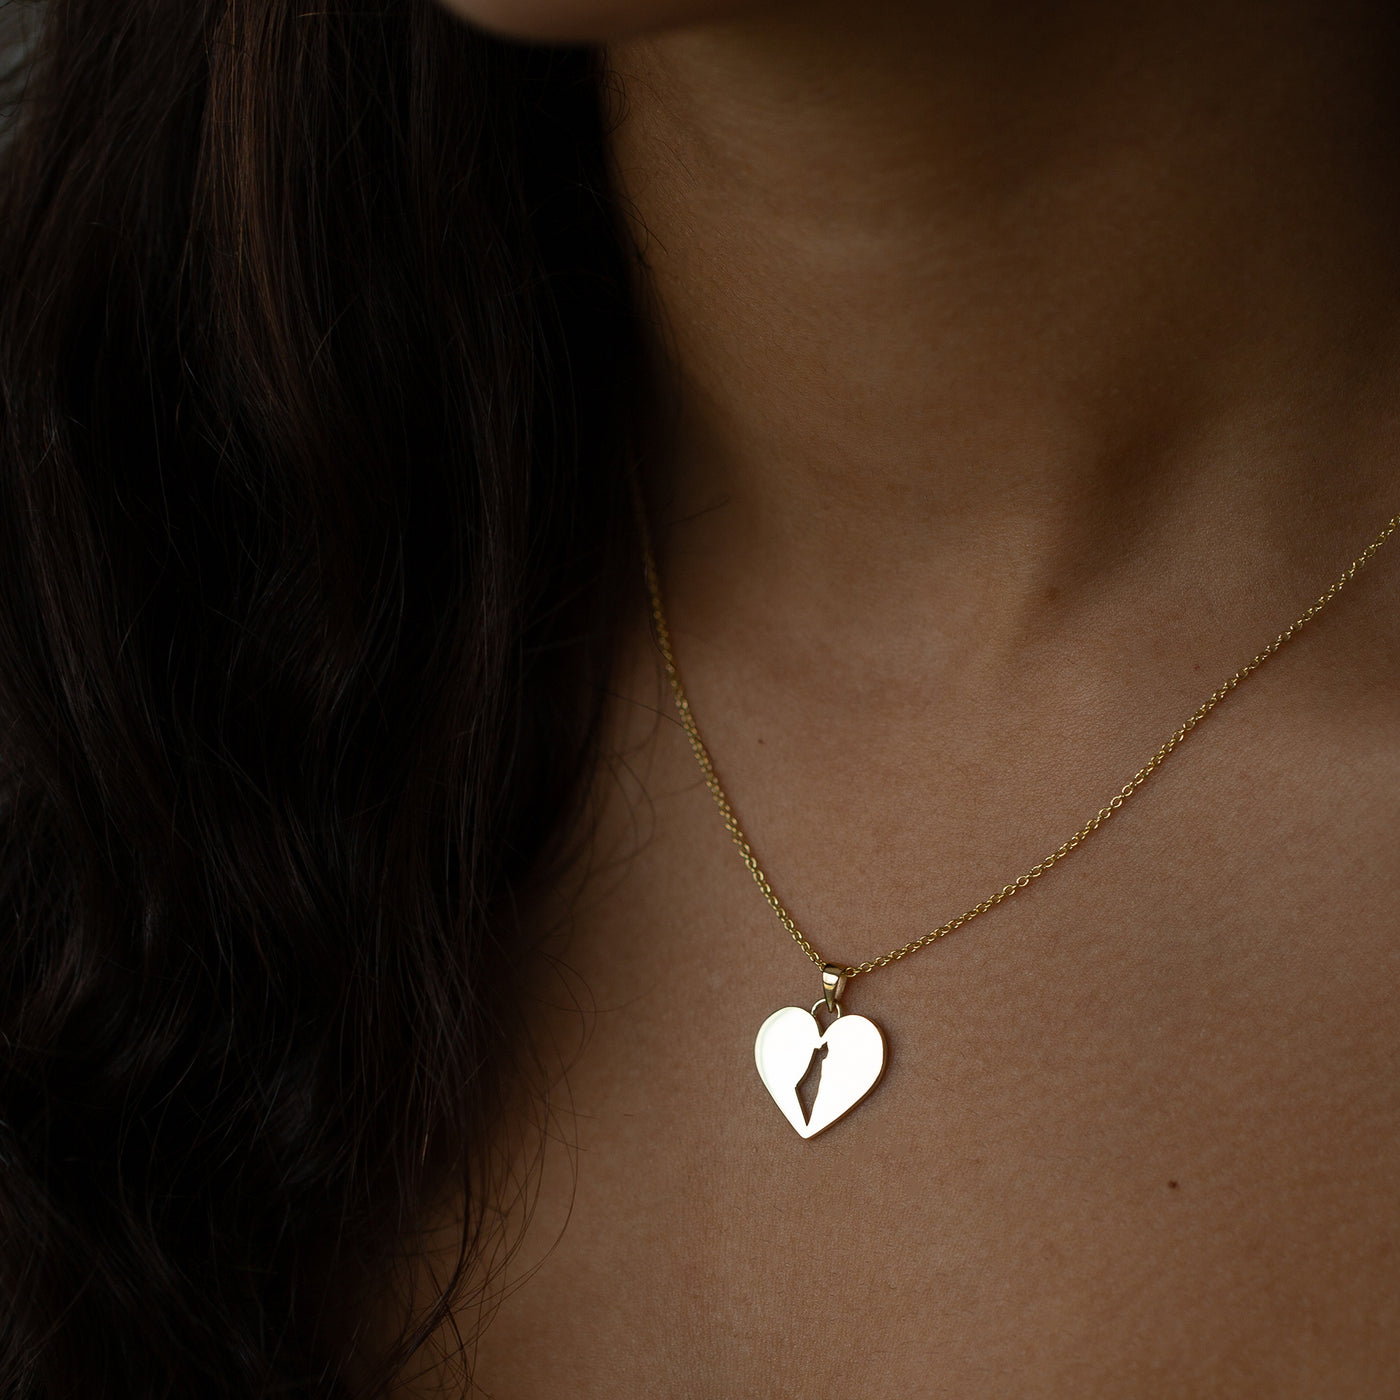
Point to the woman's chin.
(589, 21)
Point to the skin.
(1026, 373)
(590, 21)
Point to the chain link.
(731, 820)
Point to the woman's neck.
(973, 313)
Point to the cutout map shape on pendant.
(849, 1070)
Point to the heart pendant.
(852, 1052)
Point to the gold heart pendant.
(851, 1055)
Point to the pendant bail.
(833, 984)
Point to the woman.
(381, 980)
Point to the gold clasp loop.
(833, 984)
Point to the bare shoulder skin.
(1032, 366)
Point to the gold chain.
(731, 821)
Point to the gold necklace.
(850, 1055)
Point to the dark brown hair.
(314, 354)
